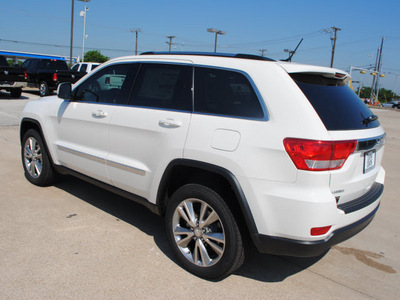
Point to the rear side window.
(225, 92)
(336, 104)
(163, 86)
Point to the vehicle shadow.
(7, 96)
(261, 267)
(273, 268)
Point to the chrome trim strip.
(81, 154)
(371, 143)
(101, 160)
(126, 168)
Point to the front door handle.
(99, 114)
(170, 123)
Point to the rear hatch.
(346, 118)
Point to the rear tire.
(16, 93)
(44, 89)
(203, 233)
(35, 160)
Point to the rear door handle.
(170, 123)
(99, 114)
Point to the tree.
(12, 63)
(365, 92)
(95, 56)
(384, 94)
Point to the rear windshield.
(53, 64)
(336, 104)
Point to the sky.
(44, 26)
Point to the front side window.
(110, 85)
(75, 67)
(163, 86)
(225, 92)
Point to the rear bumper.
(12, 84)
(283, 246)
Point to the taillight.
(55, 77)
(311, 155)
(25, 75)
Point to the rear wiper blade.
(370, 119)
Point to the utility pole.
(335, 30)
(136, 30)
(262, 51)
(379, 69)
(170, 43)
(374, 76)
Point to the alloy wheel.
(33, 157)
(198, 232)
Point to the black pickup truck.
(12, 79)
(47, 74)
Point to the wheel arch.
(183, 171)
(28, 123)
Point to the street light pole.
(83, 14)
(216, 31)
(72, 34)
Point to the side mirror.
(64, 91)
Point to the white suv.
(234, 150)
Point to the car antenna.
(292, 52)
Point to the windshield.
(336, 104)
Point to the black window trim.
(184, 63)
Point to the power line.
(61, 46)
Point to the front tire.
(35, 160)
(203, 233)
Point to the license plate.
(369, 160)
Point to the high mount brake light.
(312, 155)
(340, 75)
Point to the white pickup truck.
(86, 67)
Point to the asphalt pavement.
(76, 241)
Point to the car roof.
(199, 57)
